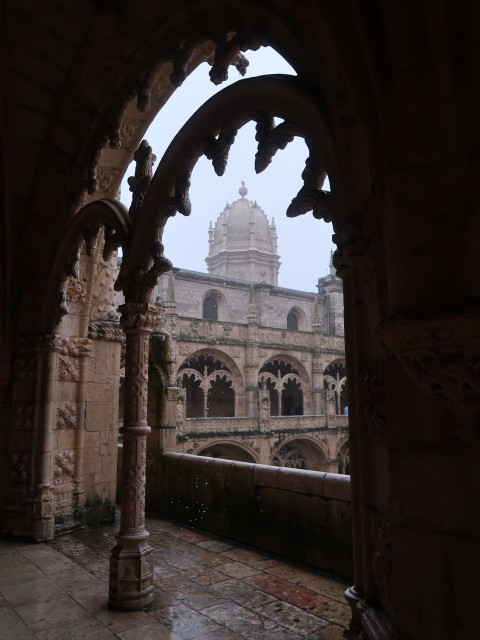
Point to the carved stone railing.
(217, 425)
(306, 422)
(301, 515)
(192, 426)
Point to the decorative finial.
(243, 190)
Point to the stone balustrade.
(297, 514)
(192, 426)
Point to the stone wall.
(273, 303)
(301, 515)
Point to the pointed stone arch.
(226, 449)
(300, 453)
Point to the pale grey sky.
(304, 244)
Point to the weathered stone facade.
(263, 339)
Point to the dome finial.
(243, 190)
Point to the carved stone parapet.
(441, 356)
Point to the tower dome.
(243, 243)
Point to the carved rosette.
(440, 355)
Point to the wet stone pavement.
(206, 588)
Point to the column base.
(353, 599)
(131, 574)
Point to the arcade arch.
(156, 198)
(213, 385)
(343, 455)
(286, 383)
(335, 385)
(227, 450)
(300, 453)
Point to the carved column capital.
(441, 355)
(138, 316)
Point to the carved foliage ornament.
(63, 464)
(139, 183)
(440, 355)
(66, 415)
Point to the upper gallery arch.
(211, 131)
(144, 78)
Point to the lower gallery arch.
(226, 450)
(300, 453)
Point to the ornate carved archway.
(210, 132)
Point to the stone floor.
(205, 589)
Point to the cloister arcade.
(386, 98)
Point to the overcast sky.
(304, 244)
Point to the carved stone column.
(131, 560)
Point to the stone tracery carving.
(310, 198)
(76, 293)
(288, 456)
(139, 183)
(103, 303)
(271, 139)
(228, 52)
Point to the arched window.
(209, 388)
(210, 309)
(292, 322)
(282, 381)
(335, 384)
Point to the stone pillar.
(131, 560)
(251, 358)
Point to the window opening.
(292, 322)
(210, 309)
